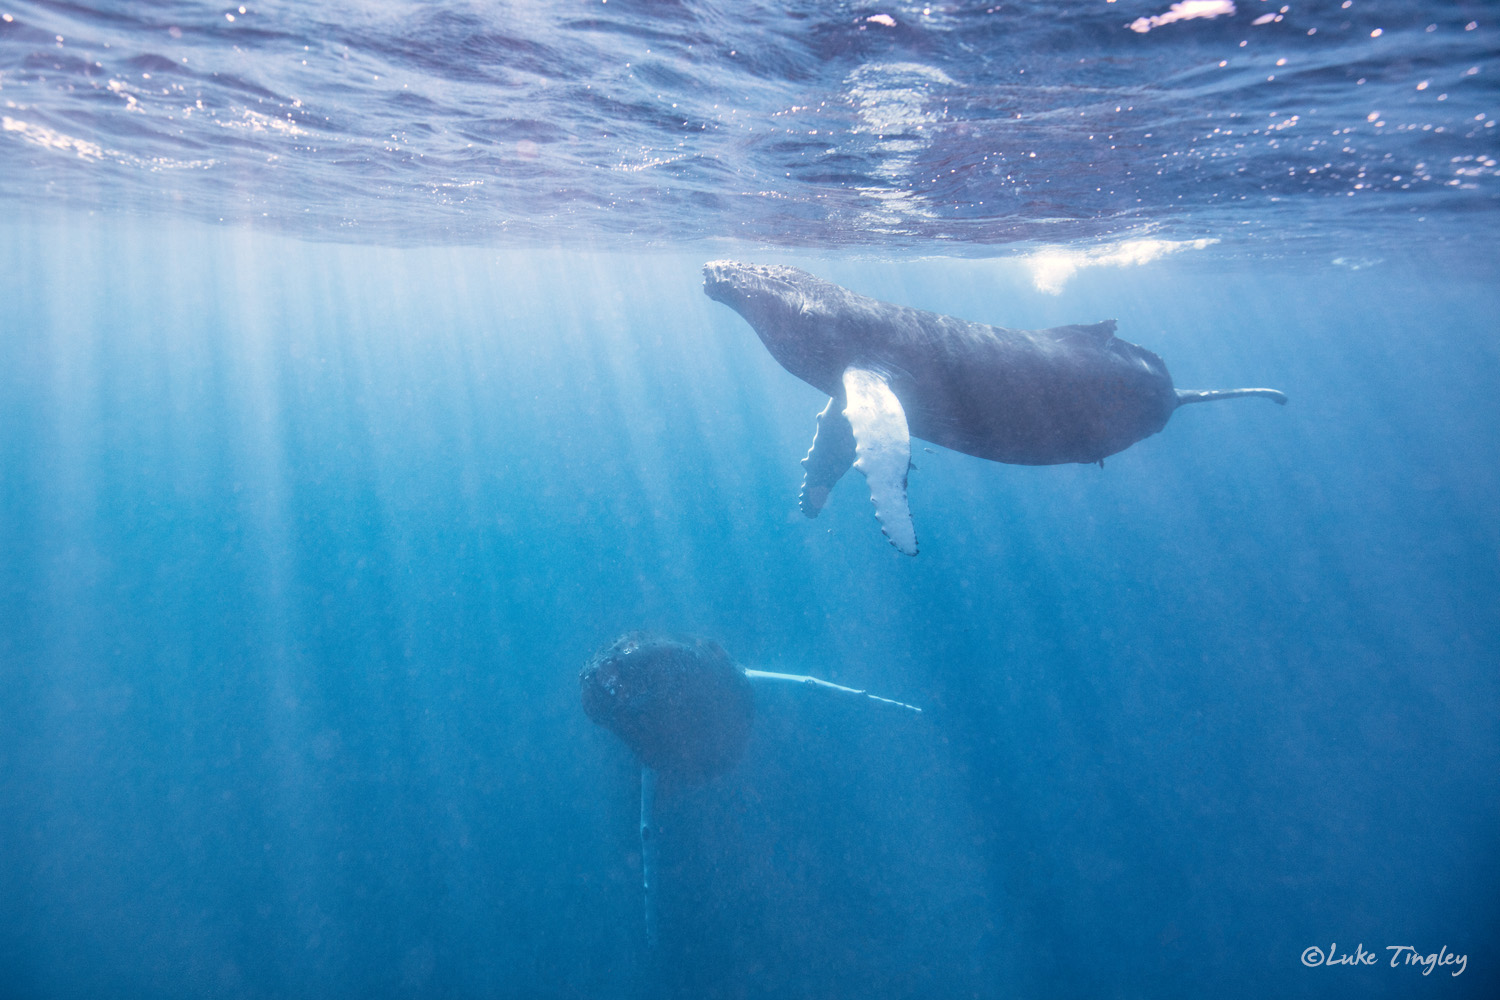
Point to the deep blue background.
(302, 546)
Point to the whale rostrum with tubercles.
(1026, 397)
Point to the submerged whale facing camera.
(685, 709)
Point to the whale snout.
(718, 279)
(736, 284)
(755, 291)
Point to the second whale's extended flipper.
(883, 448)
(1185, 396)
(831, 455)
(649, 850)
(819, 684)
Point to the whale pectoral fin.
(883, 450)
(1185, 396)
(829, 458)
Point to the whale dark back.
(1027, 397)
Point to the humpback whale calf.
(1026, 397)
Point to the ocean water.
(357, 385)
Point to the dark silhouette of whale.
(1027, 397)
(686, 710)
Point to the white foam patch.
(254, 121)
(1185, 11)
(1052, 268)
(41, 135)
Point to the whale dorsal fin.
(883, 448)
(1099, 333)
(829, 458)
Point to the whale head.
(769, 294)
(793, 313)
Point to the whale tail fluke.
(1185, 396)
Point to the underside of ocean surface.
(358, 386)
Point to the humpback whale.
(1025, 397)
(685, 708)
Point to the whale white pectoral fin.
(883, 451)
(829, 458)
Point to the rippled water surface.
(942, 125)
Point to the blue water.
(327, 459)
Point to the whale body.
(1025, 397)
